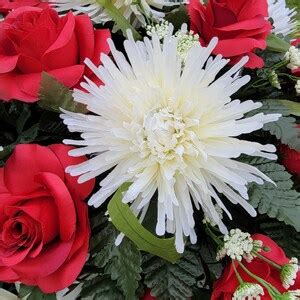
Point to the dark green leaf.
(278, 201)
(286, 236)
(169, 281)
(122, 263)
(25, 290)
(101, 287)
(285, 128)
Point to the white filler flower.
(127, 7)
(282, 16)
(247, 291)
(169, 129)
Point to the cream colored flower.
(170, 129)
(282, 17)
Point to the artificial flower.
(8, 5)
(290, 159)
(44, 235)
(128, 8)
(170, 129)
(238, 245)
(228, 283)
(248, 291)
(289, 273)
(241, 27)
(35, 40)
(282, 17)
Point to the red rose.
(44, 225)
(33, 40)
(240, 25)
(148, 295)
(6, 5)
(290, 159)
(228, 283)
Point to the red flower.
(7, 5)
(44, 226)
(148, 296)
(228, 283)
(290, 159)
(33, 40)
(240, 26)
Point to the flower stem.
(117, 16)
(238, 276)
(270, 262)
(213, 236)
(271, 289)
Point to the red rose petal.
(8, 63)
(64, 203)
(23, 183)
(77, 190)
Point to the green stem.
(213, 236)
(118, 17)
(270, 262)
(271, 289)
(295, 78)
(238, 276)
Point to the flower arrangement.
(149, 149)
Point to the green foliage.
(169, 281)
(277, 44)
(208, 256)
(101, 287)
(54, 95)
(124, 220)
(284, 235)
(278, 201)
(285, 128)
(34, 293)
(119, 265)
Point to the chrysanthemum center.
(164, 133)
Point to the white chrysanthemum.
(247, 291)
(289, 272)
(128, 8)
(282, 16)
(1, 148)
(293, 58)
(208, 220)
(170, 129)
(238, 245)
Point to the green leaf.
(277, 44)
(285, 128)
(54, 95)
(281, 201)
(172, 281)
(293, 107)
(25, 290)
(102, 287)
(285, 236)
(34, 293)
(122, 263)
(208, 255)
(125, 221)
